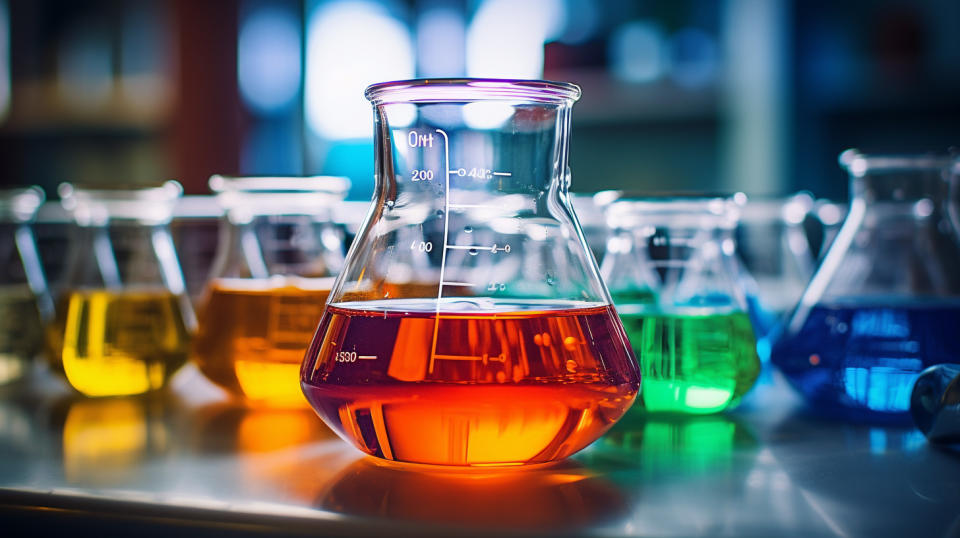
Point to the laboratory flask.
(123, 319)
(24, 299)
(470, 325)
(773, 245)
(276, 260)
(885, 302)
(672, 271)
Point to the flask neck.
(904, 186)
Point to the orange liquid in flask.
(253, 334)
(515, 384)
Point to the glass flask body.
(277, 258)
(24, 298)
(772, 244)
(885, 302)
(470, 325)
(123, 319)
(673, 274)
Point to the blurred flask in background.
(123, 319)
(278, 255)
(24, 298)
(773, 245)
(885, 302)
(674, 277)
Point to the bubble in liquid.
(570, 343)
(571, 366)
(439, 213)
(468, 229)
(473, 252)
(550, 280)
(390, 203)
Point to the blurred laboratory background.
(758, 96)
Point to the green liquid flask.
(673, 276)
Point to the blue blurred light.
(4, 60)
(351, 45)
(636, 52)
(582, 20)
(440, 43)
(505, 38)
(693, 58)
(268, 59)
(85, 69)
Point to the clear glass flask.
(276, 261)
(885, 302)
(123, 318)
(470, 325)
(672, 270)
(24, 298)
(773, 245)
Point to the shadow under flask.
(885, 302)
(123, 319)
(24, 299)
(278, 254)
(673, 273)
(470, 325)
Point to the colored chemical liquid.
(513, 383)
(861, 361)
(121, 342)
(21, 331)
(253, 333)
(692, 363)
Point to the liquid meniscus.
(253, 333)
(697, 363)
(860, 361)
(21, 331)
(503, 384)
(121, 342)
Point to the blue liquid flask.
(885, 303)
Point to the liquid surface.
(253, 334)
(21, 331)
(121, 342)
(861, 362)
(697, 363)
(486, 383)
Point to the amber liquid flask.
(273, 271)
(469, 326)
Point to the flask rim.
(628, 210)
(859, 164)
(244, 197)
(20, 204)
(336, 185)
(97, 204)
(465, 90)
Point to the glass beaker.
(470, 325)
(885, 302)
(773, 246)
(673, 274)
(276, 261)
(122, 316)
(24, 298)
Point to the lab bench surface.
(191, 461)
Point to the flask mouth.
(453, 90)
(791, 210)
(244, 197)
(95, 205)
(703, 210)
(858, 164)
(20, 205)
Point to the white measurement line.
(454, 283)
(466, 247)
(504, 174)
(443, 257)
(470, 206)
(367, 357)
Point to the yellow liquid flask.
(123, 320)
(24, 300)
(276, 261)
(470, 326)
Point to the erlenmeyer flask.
(122, 318)
(24, 299)
(773, 245)
(885, 302)
(276, 261)
(673, 274)
(470, 325)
